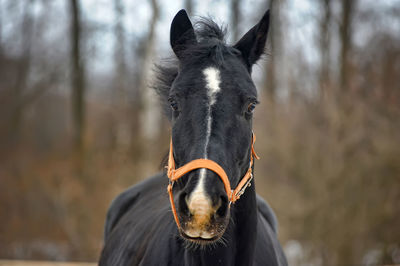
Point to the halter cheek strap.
(233, 195)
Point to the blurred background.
(79, 123)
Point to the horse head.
(210, 104)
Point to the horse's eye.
(251, 107)
(174, 104)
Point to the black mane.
(210, 46)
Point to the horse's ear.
(182, 33)
(252, 44)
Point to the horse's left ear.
(252, 44)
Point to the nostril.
(219, 203)
(183, 203)
(222, 206)
(187, 199)
(188, 212)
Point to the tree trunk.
(149, 114)
(24, 66)
(189, 6)
(78, 77)
(275, 39)
(346, 42)
(147, 49)
(235, 19)
(148, 45)
(119, 53)
(1, 30)
(324, 76)
(120, 118)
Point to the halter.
(233, 195)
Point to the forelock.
(210, 47)
(206, 29)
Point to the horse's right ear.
(182, 33)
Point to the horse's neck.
(239, 239)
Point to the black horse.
(209, 97)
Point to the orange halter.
(233, 195)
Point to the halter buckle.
(231, 198)
(248, 184)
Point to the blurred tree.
(77, 75)
(324, 46)
(275, 38)
(119, 126)
(147, 127)
(1, 30)
(25, 75)
(23, 70)
(147, 46)
(346, 24)
(235, 19)
(189, 7)
(119, 50)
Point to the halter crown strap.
(233, 195)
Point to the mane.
(210, 46)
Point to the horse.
(209, 98)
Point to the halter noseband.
(233, 195)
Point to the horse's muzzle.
(203, 219)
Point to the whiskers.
(223, 241)
(195, 245)
(207, 245)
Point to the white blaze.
(213, 80)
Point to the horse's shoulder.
(267, 213)
(125, 200)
